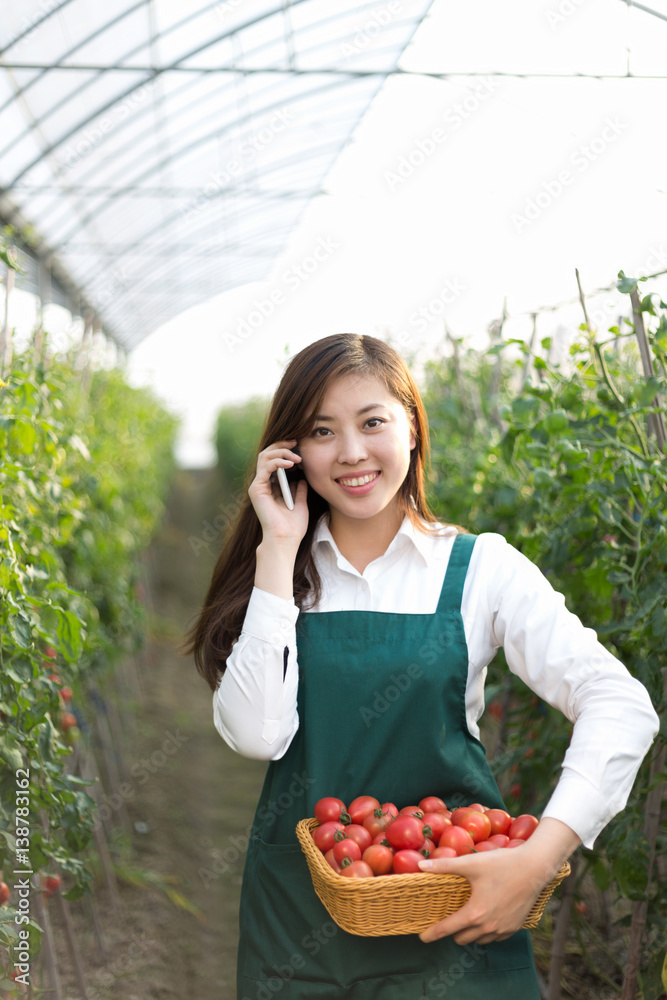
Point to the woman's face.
(358, 453)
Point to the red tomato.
(477, 807)
(379, 858)
(500, 820)
(324, 835)
(405, 833)
(346, 848)
(436, 822)
(389, 807)
(523, 827)
(329, 858)
(359, 834)
(377, 821)
(432, 804)
(381, 839)
(330, 810)
(427, 847)
(476, 823)
(447, 814)
(4, 893)
(487, 845)
(459, 839)
(52, 884)
(411, 811)
(406, 862)
(443, 852)
(500, 839)
(361, 806)
(358, 869)
(581, 907)
(515, 843)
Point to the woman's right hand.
(279, 523)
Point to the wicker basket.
(394, 904)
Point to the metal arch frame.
(164, 226)
(151, 74)
(174, 157)
(37, 24)
(122, 170)
(58, 65)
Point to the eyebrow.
(364, 409)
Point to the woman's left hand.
(504, 884)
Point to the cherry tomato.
(476, 823)
(427, 847)
(500, 821)
(432, 804)
(377, 821)
(346, 848)
(389, 807)
(477, 807)
(459, 839)
(379, 858)
(411, 811)
(359, 834)
(487, 845)
(329, 858)
(4, 893)
(360, 807)
(515, 843)
(501, 839)
(329, 810)
(523, 827)
(443, 852)
(324, 835)
(52, 884)
(436, 822)
(358, 869)
(405, 833)
(406, 862)
(381, 839)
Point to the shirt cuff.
(270, 618)
(583, 807)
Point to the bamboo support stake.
(497, 333)
(89, 770)
(560, 933)
(656, 421)
(71, 943)
(49, 952)
(91, 906)
(529, 357)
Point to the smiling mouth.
(358, 480)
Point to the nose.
(352, 448)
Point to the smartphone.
(284, 487)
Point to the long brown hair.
(298, 398)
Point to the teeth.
(359, 482)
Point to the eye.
(377, 421)
(316, 432)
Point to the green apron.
(381, 704)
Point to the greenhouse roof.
(154, 154)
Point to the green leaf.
(20, 630)
(555, 422)
(626, 285)
(69, 631)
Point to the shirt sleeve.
(254, 706)
(562, 661)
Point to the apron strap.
(457, 567)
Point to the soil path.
(191, 802)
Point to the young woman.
(314, 613)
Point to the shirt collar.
(406, 535)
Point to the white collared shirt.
(506, 602)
